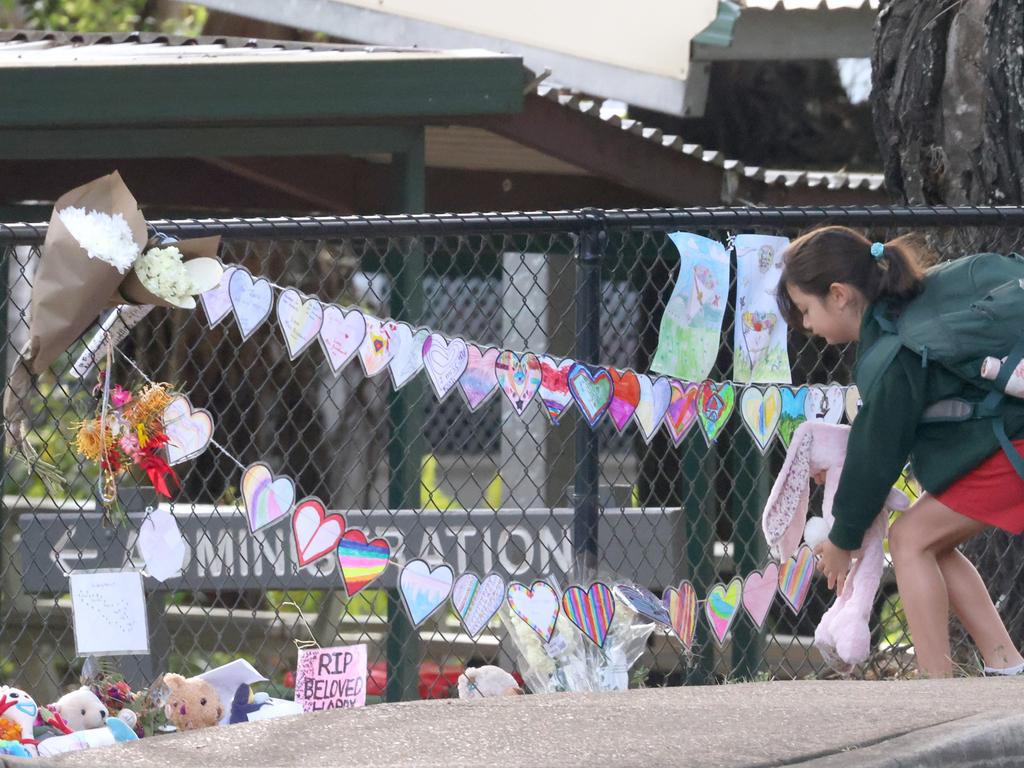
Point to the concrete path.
(963, 722)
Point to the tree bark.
(948, 106)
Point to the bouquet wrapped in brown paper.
(97, 255)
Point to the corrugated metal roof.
(777, 177)
(808, 5)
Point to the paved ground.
(966, 722)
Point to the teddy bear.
(192, 703)
(82, 710)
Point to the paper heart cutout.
(161, 544)
(519, 378)
(480, 380)
(625, 397)
(554, 386)
(592, 390)
(682, 610)
(643, 602)
(217, 301)
(825, 404)
(444, 361)
(424, 589)
(406, 353)
(188, 430)
(759, 588)
(715, 404)
(760, 411)
(267, 499)
(341, 335)
(682, 409)
(721, 607)
(300, 319)
(316, 533)
(252, 301)
(591, 610)
(852, 403)
(655, 398)
(375, 351)
(792, 412)
(477, 601)
(537, 605)
(795, 577)
(361, 561)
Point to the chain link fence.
(483, 489)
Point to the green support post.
(405, 415)
(699, 509)
(749, 470)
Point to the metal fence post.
(592, 242)
(405, 418)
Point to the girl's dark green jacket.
(888, 429)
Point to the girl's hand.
(834, 563)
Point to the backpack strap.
(992, 406)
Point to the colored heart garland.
(217, 301)
(519, 378)
(682, 410)
(406, 353)
(299, 319)
(592, 390)
(852, 403)
(252, 301)
(721, 607)
(445, 361)
(554, 386)
(625, 397)
(361, 561)
(476, 601)
(793, 400)
(480, 380)
(825, 404)
(681, 604)
(760, 411)
(188, 430)
(537, 605)
(655, 398)
(759, 588)
(795, 577)
(643, 602)
(591, 610)
(316, 533)
(424, 589)
(341, 335)
(375, 351)
(715, 404)
(267, 499)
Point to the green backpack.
(970, 309)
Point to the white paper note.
(109, 613)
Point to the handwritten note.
(331, 678)
(109, 612)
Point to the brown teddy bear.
(192, 703)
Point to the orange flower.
(88, 442)
(149, 405)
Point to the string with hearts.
(655, 398)
(341, 335)
(591, 610)
(252, 301)
(300, 320)
(315, 533)
(682, 410)
(715, 404)
(537, 605)
(424, 589)
(825, 404)
(189, 430)
(406, 353)
(793, 412)
(217, 301)
(795, 577)
(721, 607)
(375, 351)
(519, 378)
(361, 560)
(760, 410)
(554, 386)
(444, 361)
(480, 379)
(681, 604)
(591, 388)
(267, 499)
(476, 600)
(625, 397)
(759, 588)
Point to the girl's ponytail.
(814, 261)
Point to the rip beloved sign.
(331, 678)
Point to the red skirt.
(991, 493)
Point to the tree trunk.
(948, 105)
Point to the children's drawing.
(759, 341)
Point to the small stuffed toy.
(843, 635)
(113, 731)
(18, 713)
(246, 702)
(82, 710)
(487, 682)
(192, 703)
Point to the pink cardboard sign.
(331, 678)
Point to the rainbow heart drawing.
(682, 610)
(216, 301)
(721, 607)
(554, 386)
(592, 390)
(537, 605)
(341, 335)
(267, 499)
(189, 431)
(316, 533)
(299, 319)
(682, 410)
(519, 377)
(424, 589)
(655, 397)
(361, 561)
(795, 577)
(715, 404)
(625, 397)
(479, 381)
(759, 588)
(476, 601)
(591, 610)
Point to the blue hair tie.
(877, 251)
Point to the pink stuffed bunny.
(843, 635)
